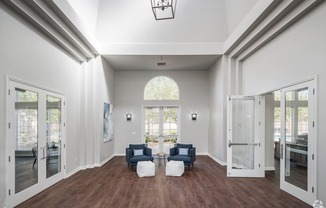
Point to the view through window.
(161, 121)
(26, 119)
(297, 110)
(161, 88)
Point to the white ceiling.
(150, 62)
(128, 22)
(123, 21)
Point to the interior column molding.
(231, 76)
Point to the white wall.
(97, 88)
(236, 11)
(217, 126)
(296, 54)
(129, 92)
(87, 11)
(28, 56)
(105, 93)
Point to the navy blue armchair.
(183, 152)
(138, 152)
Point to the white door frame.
(163, 106)
(13, 198)
(259, 140)
(310, 195)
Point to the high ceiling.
(131, 39)
(126, 33)
(155, 62)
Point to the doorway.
(161, 127)
(35, 140)
(294, 140)
(245, 150)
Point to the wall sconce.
(128, 116)
(194, 116)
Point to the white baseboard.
(269, 168)
(217, 160)
(88, 166)
(201, 153)
(122, 154)
(107, 160)
(72, 172)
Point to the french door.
(35, 141)
(161, 128)
(297, 141)
(246, 143)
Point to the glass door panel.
(26, 139)
(245, 149)
(152, 128)
(161, 128)
(296, 145)
(170, 128)
(297, 141)
(243, 134)
(35, 142)
(53, 135)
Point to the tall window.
(161, 88)
(161, 122)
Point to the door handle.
(253, 144)
(43, 153)
(281, 152)
(42, 158)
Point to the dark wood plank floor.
(26, 174)
(204, 185)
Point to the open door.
(246, 143)
(298, 141)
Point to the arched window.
(161, 88)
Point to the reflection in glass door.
(161, 128)
(296, 145)
(53, 135)
(297, 142)
(169, 128)
(152, 128)
(26, 141)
